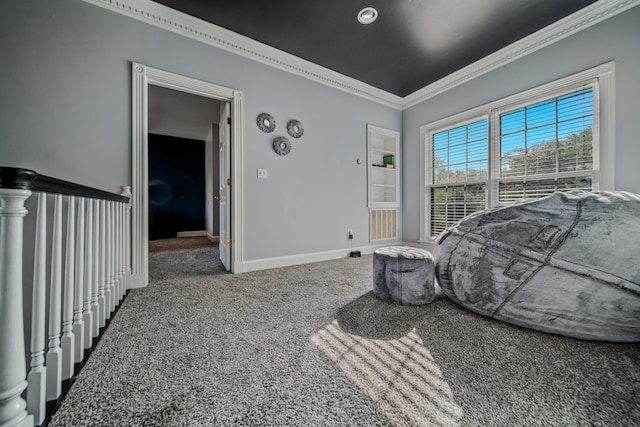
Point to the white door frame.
(142, 77)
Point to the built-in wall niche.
(383, 167)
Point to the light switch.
(262, 173)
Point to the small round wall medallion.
(281, 145)
(294, 128)
(266, 122)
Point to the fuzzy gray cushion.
(403, 275)
(566, 264)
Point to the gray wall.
(181, 114)
(66, 112)
(616, 39)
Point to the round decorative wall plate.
(295, 129)
(266, 122)
(281, 145)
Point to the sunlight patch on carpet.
(399, 375)
(346, 286)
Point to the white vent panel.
(383, 224)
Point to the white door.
(225, 175)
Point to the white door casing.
(142, 77)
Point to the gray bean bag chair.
(567, 264)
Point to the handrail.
(27, 179)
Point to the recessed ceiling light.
(367, 15)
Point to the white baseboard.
(289, 260)
(199, 233)
(213, 239)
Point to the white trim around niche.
(142, 77)
(189, 26)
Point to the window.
(546, 146)
(523, 147)
(459, 173)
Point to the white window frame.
(603, 174)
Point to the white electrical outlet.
(263, 174)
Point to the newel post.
(126, 191)
(12, 351)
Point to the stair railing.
(81, 273)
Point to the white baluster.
(12, 351)
(54, 353)
(114, 259)
(95, 284)
(108, 259)
(114, 263)
(102, 298)
(119, 252)
(87, 314)
(109, 294)
(114, 253)
(68, 341)
(78, 320)
(112, 266)
(123, 248)
(36, 398)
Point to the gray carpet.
(311, 345)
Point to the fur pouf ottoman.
(403, 275)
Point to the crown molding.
(172, 20)
(584, 18)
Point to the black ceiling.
(412, 43)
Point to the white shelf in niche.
(381, 151)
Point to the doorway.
(183, 164)
(142, 78)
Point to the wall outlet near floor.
(263, 174)
(350, 234)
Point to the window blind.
(459, 173)
(515, 191)
(546, 146)
(450, 204)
